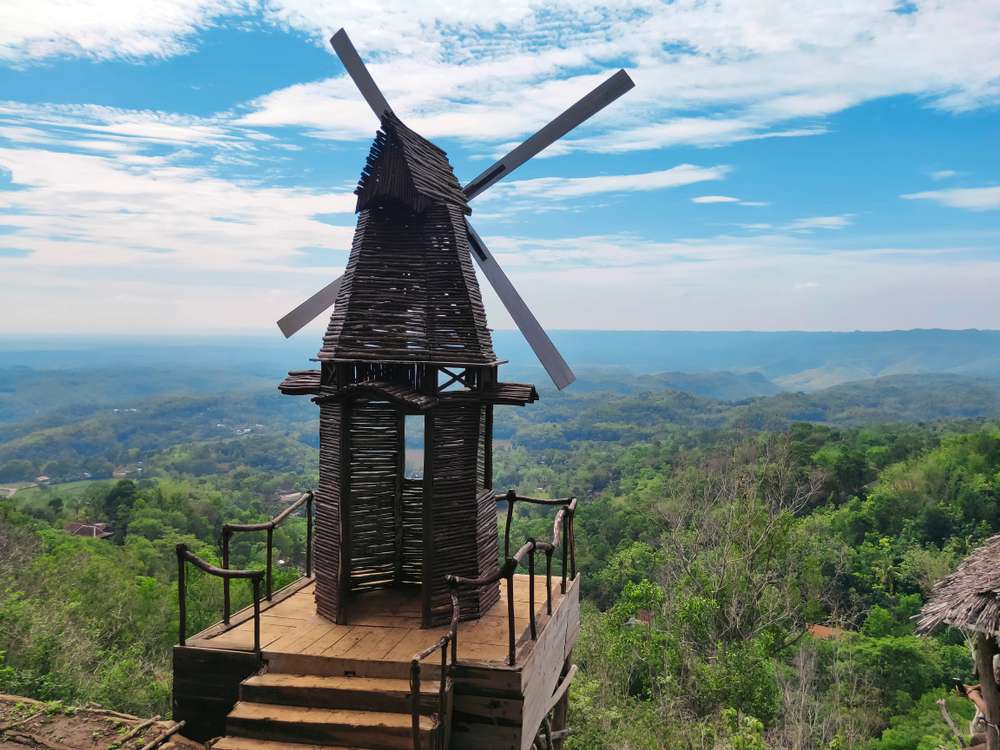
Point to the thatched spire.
(968, 599)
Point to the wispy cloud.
(726, 199)
(106, 29)
(809, 223)
(943, 174)
(973, 199)
(94, 210)
(576, 187)
(707, 73)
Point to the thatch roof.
(405, 167)
(969, 598)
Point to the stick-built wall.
(377, 528)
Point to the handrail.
(184, 555)
(229, 529)
(562, 538)
(566, 513)
(449, 638)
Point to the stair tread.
(245, 743)
(313, 681)
(246, 710)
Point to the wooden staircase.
(283, 711)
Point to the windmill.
(401, 531)
(541, 344)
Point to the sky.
(187, 166)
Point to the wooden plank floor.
(384, 626)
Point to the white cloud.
(105, 29)
(577, 187)
(760, 69)
(678, 285)
(973, 199)
(839, 221)
(91, 210)
(715, 199)
(707, 73)
(943, 174)
(726, 199)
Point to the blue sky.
(186, 166)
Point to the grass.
(37, 497)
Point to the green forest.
(711, 535)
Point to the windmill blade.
(302, 315)
(539, 341)
(310, 309)
(359, 73)
(584, 109)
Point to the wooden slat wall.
(375, 435)
(487, 546)
(409, 292)
(461, 542)
(413, 531)
(327, 540)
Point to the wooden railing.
(448, 639)
(269, 526)
(562, 537)
(184, 556)
(257, 577)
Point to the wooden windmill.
(408, 335)
(366, 649)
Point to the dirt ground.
(27, 724)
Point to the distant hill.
(721, 386)
(68, 393)
(794, 360)
(895, 398)
(609, 407)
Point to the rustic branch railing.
(562, 536)
(184, 555)
(448, 639)
(269, 526)
(567, 511)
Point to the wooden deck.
(495, 705)
(384, 626)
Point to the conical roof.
(409, 292)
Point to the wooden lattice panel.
(410, 292)
(375, 435)
(457, 530)
(327, 541)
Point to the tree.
(17, 470)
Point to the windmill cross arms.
(576, 114)
(579, 112)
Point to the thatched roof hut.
(968, 599)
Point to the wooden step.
(379, 730)
(244, 743)
(319, 691)
(342, 667)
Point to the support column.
(986, 649)
(560, 713)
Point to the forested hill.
(610, 408)
(794, 360)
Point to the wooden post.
(181, 595)
(986, 649)
(270, 554)
(309, 535)
(561, 711)
(226, 603)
